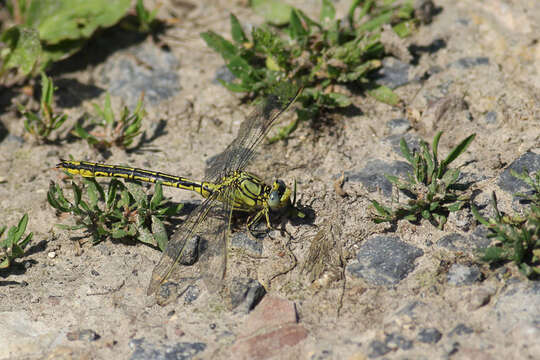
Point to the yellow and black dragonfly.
(227, 187)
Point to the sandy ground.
(70, 299)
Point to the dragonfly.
(226, 187)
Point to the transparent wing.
(252, 130)
(193, 226)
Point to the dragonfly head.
(280, 196)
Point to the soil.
(67, 298)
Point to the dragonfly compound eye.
(279, 196)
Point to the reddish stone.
(272, 312)
(269, 344)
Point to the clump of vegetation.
(319, 54)
(432, 185)
(517, 238)
(46, 31)
(42, 124)
(112, 132)
(124, 211)
(13, 245)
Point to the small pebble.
(51, 255)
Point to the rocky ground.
(410, 291)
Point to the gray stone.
(372, 175)
(245, 242)
(384, 260)
(246, 293)
(128, 78)
(468, 62)
(463, 275)
(178, 351)
(507, 182)
(519, 302)
(490, 117)
(393, 73)
(224, 74)
(192, 293)
(398, 126)
(460, 329)
(398, 341)
(190, 252)
(429, 335)
(378, 348)
(413, 142)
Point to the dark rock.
(378, 348)
(178, 351)
(372, 175)
(460, 329)
(192, 293)
(393, 73)
(223, 73)
(384, 260)
(459, 274)
(398, 341)
(413, 142)
(429, 335)
(243, 241)
(507, 182)
(468, 62)
(245, 294)
(190, 252)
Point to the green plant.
(517, 238)
(120, 133)
(42, 124)
(320, 55)
(64, 26)
(21, 50)
(13, 245)
(432, 185)
(146, 19)
(124, 211)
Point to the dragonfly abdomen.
(91, 169)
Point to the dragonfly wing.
(252, 130)
(176, 245)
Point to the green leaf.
(458, 150)
(328, 12)
(237, 32)
(136, 190)
(297, 30)
(59, 20)
(20, 229)
(145, 236)
(224, 47)
(22, 49)
(385, 95)
(234, 87)
(159, 232)
(406, 151)
(157, 197)
(273, 11)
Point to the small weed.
(320, 55)
(13, 245)
(124, 211)
(145, 18)
(517, 238)
(120, 133)
(431, 186)
(41, 125)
